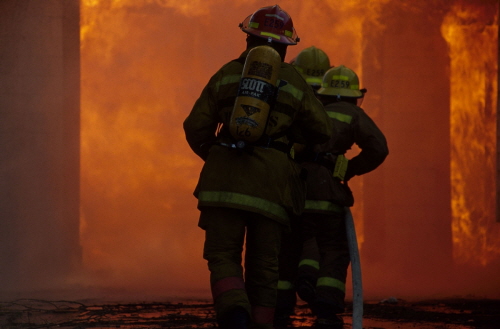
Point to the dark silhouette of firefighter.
(315, 256)
(243, 126)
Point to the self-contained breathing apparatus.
(257, 94)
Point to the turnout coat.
(262, 178)
(352, 126)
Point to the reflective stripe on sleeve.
(235, 78)
(340, 116)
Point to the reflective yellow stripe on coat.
(241, 201)
(325, 206)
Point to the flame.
(474, 64)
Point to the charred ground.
(457, 313)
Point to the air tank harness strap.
(320, 158)
(263, 143)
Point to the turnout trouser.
(288, 261)
(331, 238)
(321, 261)
(255, 290)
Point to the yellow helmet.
(340, 81)
(312, 63)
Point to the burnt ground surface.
(458, 313)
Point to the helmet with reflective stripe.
(271, 23)
(312, 63)
(340, 81)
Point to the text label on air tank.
(262, 70)
(256, 88)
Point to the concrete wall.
(39, 141)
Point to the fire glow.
(144, 63)
(474, 66)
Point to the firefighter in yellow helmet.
(248, 190)
(312, 63)
(328, 193)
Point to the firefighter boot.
(327, 315)
(285, 308)
(306, 289)
(332, 322)
(237, 318)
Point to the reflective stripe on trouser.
(331, 239)
(286, 298)
(226, 284)
(309, 261)
(224, 238)
(330, 282)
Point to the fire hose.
(357, 288)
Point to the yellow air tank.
(256, 93)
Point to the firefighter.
(328, 194)
(312, 63)
(247, 191)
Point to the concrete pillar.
(39, 141)
(407, 218)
